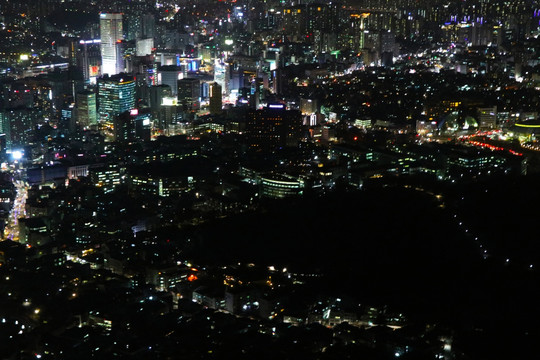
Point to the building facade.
(116, 94)
(110, 25)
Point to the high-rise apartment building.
(222, 75)
(111, 38)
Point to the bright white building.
(110, 25)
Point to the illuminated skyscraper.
(111, 37)
(222, 74)
(116, 94)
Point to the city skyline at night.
(252, 179)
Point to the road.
(18, 210)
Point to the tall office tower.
(86, 109)
(156, 95)
(111, 37)
(387, 47)
(156, 98)
(222, 74)
(215, 98)
(169, 75)
(189, 93)
(89, 57)
(116, 94)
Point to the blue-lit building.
(116, 94)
